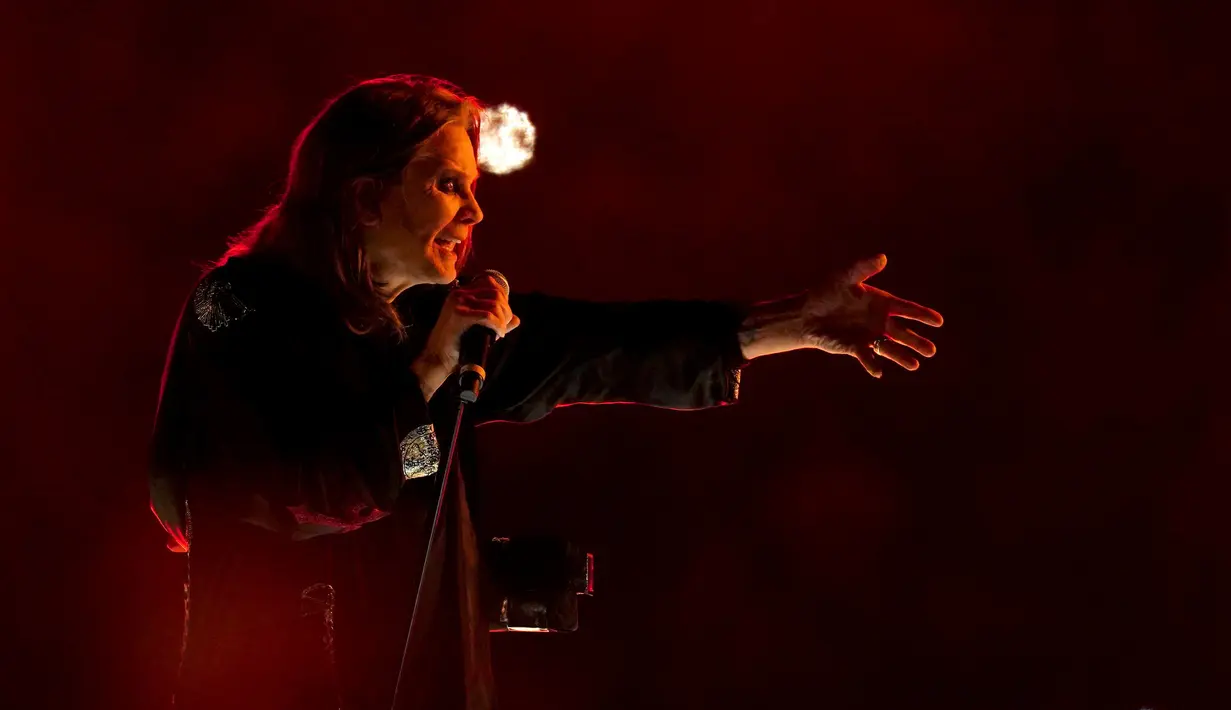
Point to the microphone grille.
(501, 281)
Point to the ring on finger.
(878, 343)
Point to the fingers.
(867, 268)
(910, 339)
(898, 353)
(867, 358)
(498, 308)
(492, 311)
(476, 316)
(908, 309)
(903, 344)
(914, 311)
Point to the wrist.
(772, 327)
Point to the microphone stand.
(470, 381)
(427, 555)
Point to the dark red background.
(1036, 519)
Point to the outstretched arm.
(675, 354)
(842, 317)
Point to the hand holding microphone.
(474, 314)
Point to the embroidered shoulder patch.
(216, 305)
(420, 452)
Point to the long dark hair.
(371, 130)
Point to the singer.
(309, 397)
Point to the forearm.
(673, 354)
(767, 328)
(772, 327)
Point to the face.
(423, 223)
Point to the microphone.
(476, 343)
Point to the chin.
(432, 269)
(442, 273)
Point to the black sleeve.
(271, 409)
(673, 354)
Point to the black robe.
(279, 428)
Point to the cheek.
(424, 215)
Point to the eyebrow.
(473, 177)
(452, 164)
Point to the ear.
(366, 194)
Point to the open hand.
(849, 317)
(843, 317)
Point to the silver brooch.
(420, 452)
(216, 306)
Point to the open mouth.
(447, 243)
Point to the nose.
(472, 214)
